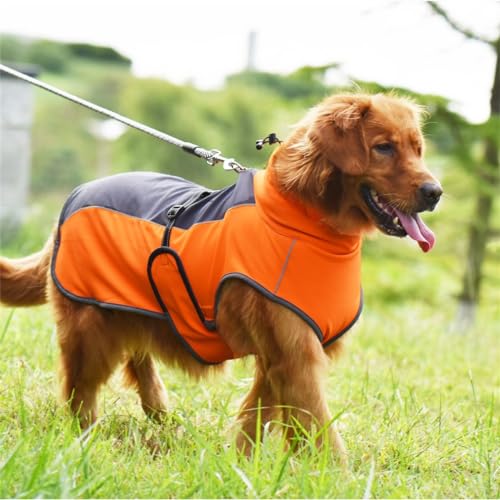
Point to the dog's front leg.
(297, 374)
(299, 388)
(141, 373)
(290, 366)
(258, 409)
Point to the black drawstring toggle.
(272, 138)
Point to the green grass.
(418, 411)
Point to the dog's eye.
(385, 148)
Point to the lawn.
(415, 404)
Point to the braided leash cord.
(212, 157)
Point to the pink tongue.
(417, 230)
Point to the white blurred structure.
(105, 131)
(16, 118)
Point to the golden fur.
(322, 164)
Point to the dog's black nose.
(430, 192)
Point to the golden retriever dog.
(353, 164)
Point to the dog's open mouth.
(393, 222)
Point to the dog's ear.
(346, 114)
(338, 132)
(328, 141)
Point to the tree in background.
(488, 176)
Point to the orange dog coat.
(162, 246)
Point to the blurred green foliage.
(250, 105)
(55, 56)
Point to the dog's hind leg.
(89, 354)
(141, 373)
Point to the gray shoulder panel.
(146, 195)
(149, 196)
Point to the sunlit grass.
(417, 406)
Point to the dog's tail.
(23, 282)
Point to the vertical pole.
(252, 43)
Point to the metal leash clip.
(214, 157)
(232, 164)
(227, 163)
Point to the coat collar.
(290, 217)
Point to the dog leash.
(212, 156)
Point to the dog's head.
(359, 160)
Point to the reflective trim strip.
(285, 265)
